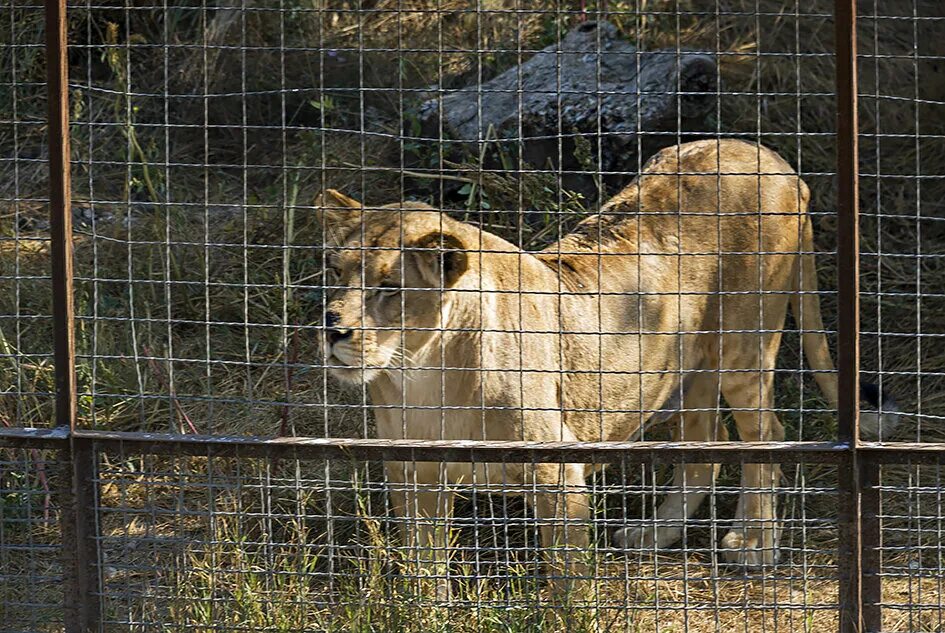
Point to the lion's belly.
(621, 378)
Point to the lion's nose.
(331, 318)
(333, 333)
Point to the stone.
(593, 94)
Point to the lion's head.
(388, 270)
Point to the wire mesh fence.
(515, 243)
(236, 543)
(901, 189)
(912, 546)
(200, 275)
(30, 540)
(26, 334)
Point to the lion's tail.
(877, 424)
(805, 303)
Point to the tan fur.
(588, 339)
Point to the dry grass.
(268, 558)
(209, 544)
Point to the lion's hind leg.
(753, 540)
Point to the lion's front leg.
(423, 504)
(563, 511)
(691, 482)
(690, 486)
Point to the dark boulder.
(590, 104)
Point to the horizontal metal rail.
(478, 451)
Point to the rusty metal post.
(60, 212)
(80, 555)
(871, 539)
(848, 242)
(849, 546)
(77, 492)
(859, 595)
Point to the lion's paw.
(752, 548)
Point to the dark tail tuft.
(881, 419)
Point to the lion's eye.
(389, 289)
(332, 276)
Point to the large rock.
(593, 85)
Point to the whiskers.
(373, 360)
(400, 360)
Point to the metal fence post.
(80, 559)
(871, 538)
(849, 546)
(60, 212)
(859, 591)
(77, 492)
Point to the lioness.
(675, 293)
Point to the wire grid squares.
(902, 176)
(25, 312)
(259, 544)
(30, 541)
(901, 294)
(911, 519)
(201, 136)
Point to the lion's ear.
(339, 213)
(441, 258)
